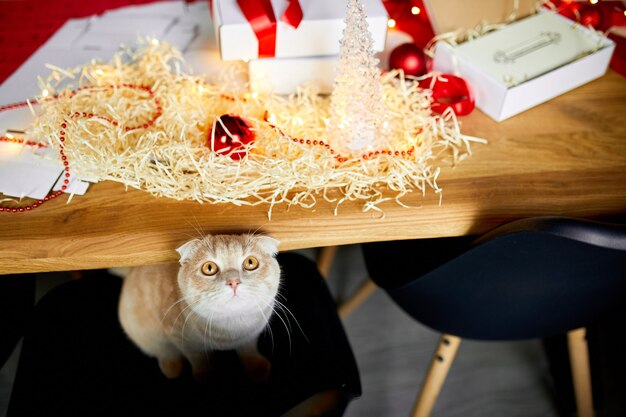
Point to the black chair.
(76, 361)
(528, 279)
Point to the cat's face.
(226, 274)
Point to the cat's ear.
(186, 249)
(269, 244)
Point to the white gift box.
(284, 75)
(318, 34)
(526, 63)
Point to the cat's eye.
(251, 263)
(209, 268)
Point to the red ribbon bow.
(260, 15)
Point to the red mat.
(26, 24)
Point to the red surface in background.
(26, 24)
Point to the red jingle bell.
(230, 136)
(410, 58)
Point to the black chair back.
(528, 279)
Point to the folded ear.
(269, 243)
(186, 249)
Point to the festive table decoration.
(142, 121)
(359, 122)
(450, 92)
(410, 58)
(230, 135)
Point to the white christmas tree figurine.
(358, 115)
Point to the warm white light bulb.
(415, 10)
(391, 23)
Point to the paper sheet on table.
(26, 171)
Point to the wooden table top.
(564, 157)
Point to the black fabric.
(17, 298)
(76, 361)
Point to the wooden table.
(565, 157)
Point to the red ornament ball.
(571, 10)
(410, 58)
(230, 135)
(591, 16)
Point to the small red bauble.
(230, 135)
(410, 58)
(571, 10)
(591, 16)
(452, 92)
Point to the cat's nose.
(233, 283)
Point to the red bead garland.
(62, 136)
(19, 140)
(341, 158)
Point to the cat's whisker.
(276, 310)
(268, 327)
(196, 226)
(283, 306)
(188, 316)
(207, 327)
(255, 231)
(182, 312)
(180, 300)
(279, 295)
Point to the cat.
(220, 297)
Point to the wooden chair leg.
(581, 375)
(357, 299)
(325, 259)
(436, 375)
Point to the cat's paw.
(257, 368)
(172, 368)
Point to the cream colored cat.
(219, 298)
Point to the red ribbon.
(260, 15)
(453, 93)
